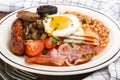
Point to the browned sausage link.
(17, 38)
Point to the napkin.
(108, 7)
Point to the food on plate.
(33, 48)
(95, 26)
(28, 16)
(59, 39)
(16, 43)
(46, 9)
(52, 58)
(61, 23)
(34, 30)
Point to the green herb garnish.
(57, 25)
(71, 24)
(55, 40)
(92, 22)
(84, 21)
(45, 21)
(81, 43)
(70, 43)
(55, 29)
(47, 16)
(52, 18)
(84, 55)
(44, 52)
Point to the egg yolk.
(60, 22)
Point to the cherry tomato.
(49, 43)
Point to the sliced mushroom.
(26, 30)
(31, 28)
(35, 35)
(43, 36)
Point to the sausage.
(17, 38)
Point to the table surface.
(46, 77)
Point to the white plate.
(110, 54)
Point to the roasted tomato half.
(33, 48)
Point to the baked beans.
(95, 25)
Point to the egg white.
(64, 32)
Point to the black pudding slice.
(46, 9)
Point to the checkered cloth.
(109, 7)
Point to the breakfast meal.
(53, 38)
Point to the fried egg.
(61, 25)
